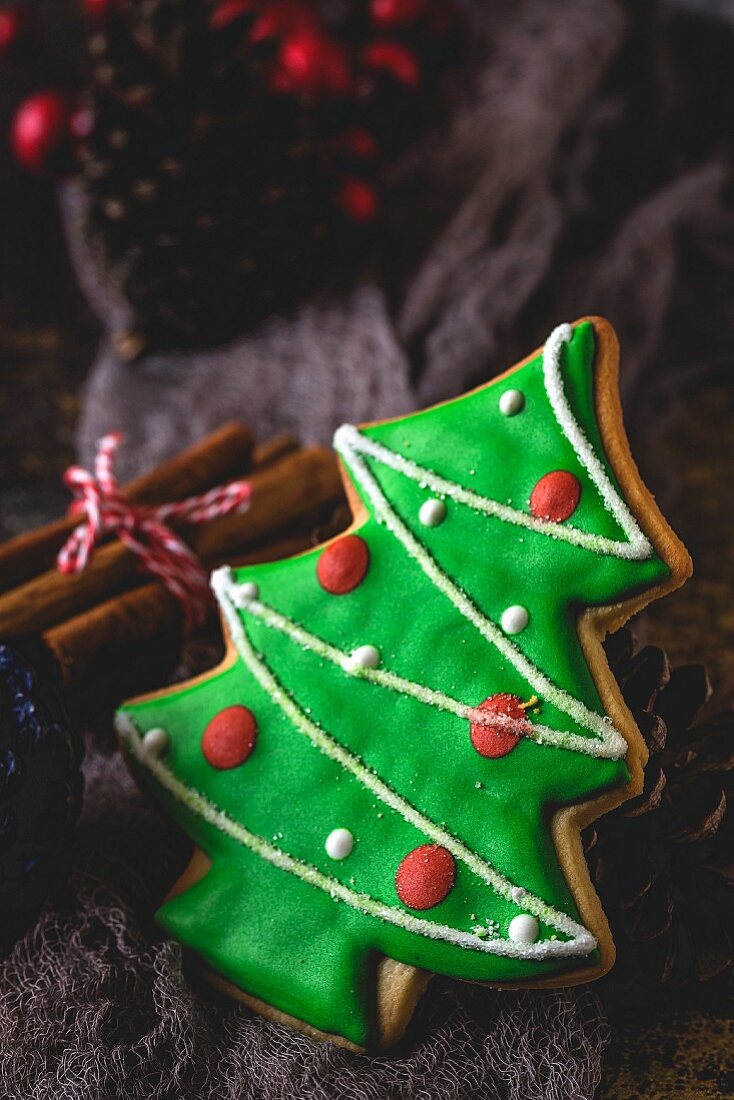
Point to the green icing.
(285, 940)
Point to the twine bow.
(145, 529)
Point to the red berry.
(392, 58)
(495, 741)
(227, 12)
(281, 17)
(98, 10)
(40, 129)
(358, 200)
(16, 29)
(357, 143)
(390, 13)
(425, 876)
(312, 64)
(229, 737)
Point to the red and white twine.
(145, 529)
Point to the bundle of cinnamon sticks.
(110, 630)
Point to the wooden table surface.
(47, 339)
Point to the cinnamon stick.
(270, 452)
(222, 456)
(292, 491)
(111, 645)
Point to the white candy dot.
(365, 656)
(512, 402)
(249, 591)
(339, 843)
(518, 893)
(155, 741)
(523, 928)
(514, 619)
(432, 512)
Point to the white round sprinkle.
(432, 512)
(518, 893)
(155, 741)
(523, 928)
(512, 402)
(365, 656)
(515, 619)
(339, 843)
(249, 591)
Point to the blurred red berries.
(17, 30)
(358, 200)
(40, 130)
(393, 58)
(391, 13)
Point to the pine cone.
(662, 863)
(228, 177)
(40, 792)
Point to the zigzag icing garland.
(609, 743)
(351, 443)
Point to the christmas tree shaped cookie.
(387, 775)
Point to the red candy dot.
(230, 737)
(425, 876)
(495, 741)
(556, 496)
(343, 565)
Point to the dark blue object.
(40, 790)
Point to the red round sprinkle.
(343, 565)
(425, 876)
(496, 741)
(556, 496)
(230, 737)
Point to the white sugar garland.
(541, 684)
(350, 442)
(605, 745)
